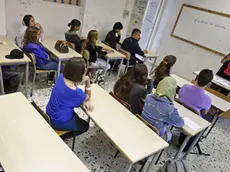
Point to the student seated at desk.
(224, 71)
(194, 96)
(72, 36)
(162, 71)
(114, 36)
(131, 45)
(32, 45)
(66, 96)
(28, 20)
(94, 50)
(131, 87)
(159, 109)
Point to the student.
(161, 72)
(114, 36)
(90, 45)
(131, 87)
(66, 96)
(32, 45)
(159, 109)
(131, 45)
(224, 71)
(72, 36)
(194, 96)
(28, 20)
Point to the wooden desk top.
(131, 136)
(216, 101)
(28, 143)
(6, 49)
(113, 55)
(151, 55)
(50, 42)
(218, 81)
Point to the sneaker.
(50, 83)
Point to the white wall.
(190, 57)
(53, 17)
(101, 15)
(2, 18)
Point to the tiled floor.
(96, 151)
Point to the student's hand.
(228, 58)
(86, 80)
(38, 25)
(88, 106)
(145, 51)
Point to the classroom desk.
(49, 44)
(218, 81)
(115, 55)
(151, 55)
(28, 143)
(130, 135)
(5, 50)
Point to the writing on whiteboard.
(200, 21)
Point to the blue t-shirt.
(62, 102)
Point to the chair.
(127, 57)
(197, 144)
(47, 118)
(86, 55)
(36, 71)
(125, 104)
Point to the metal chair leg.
(116, 154)
(74, 137)
(112, 68)
(32, 89)
(142, 167)
(159, 157)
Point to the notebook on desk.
(191, 124)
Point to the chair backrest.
(196, 112)
(32, 57)
(121, 101)
(41, 112)
(126, 53)
(148, 124)
(71, 45)
(86, 55)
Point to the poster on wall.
(70, 2)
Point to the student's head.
(74, 69)
(137, 74)
(204, 78)
(74, 25)
(32, 34)
(28, 20)
(117, 27)
(136, 33)
(163, 69)
(92, 37)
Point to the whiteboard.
(2, 18)
(204, 28)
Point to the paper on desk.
(3, 43)
(191, 124)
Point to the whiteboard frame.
(191, 42)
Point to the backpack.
(97, 77)
(174, 166)
(11, 81)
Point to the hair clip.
(165, 62)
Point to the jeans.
(51, 65)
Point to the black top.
(93, 50)
(112, 39)
(131, 45)
(76, 40)
(222, 69)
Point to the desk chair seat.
(47, 118)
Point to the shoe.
(50, 83)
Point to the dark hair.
(135, 31)
(74, 23)
(31, 35)
(74, 69)
(137, 74)
(26, 20)
(117, 25)
(205, 77)
(163, 69)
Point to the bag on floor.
(174, 166)
(97, 77)
(11, 81)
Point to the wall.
(137, 15)
(53, 17)
(2, 18)
(101, 16)
(190, 57)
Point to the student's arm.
(138, 50)
(207, 108)
(108, 38)
(42, 54)
(118, 38)
(225, 59)
(99, 50)
(175, 119)
(87, 88)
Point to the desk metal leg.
(1, 80)
(213, 124)
(105, 70)
(59, 67)
(27, 77)
(119, 71)
(153, 161)
(153, 64)
(182, 147)
(193, 144)
(128, 168)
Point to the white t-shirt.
(20, 37)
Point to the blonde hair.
(91, 38)
(31, 35)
